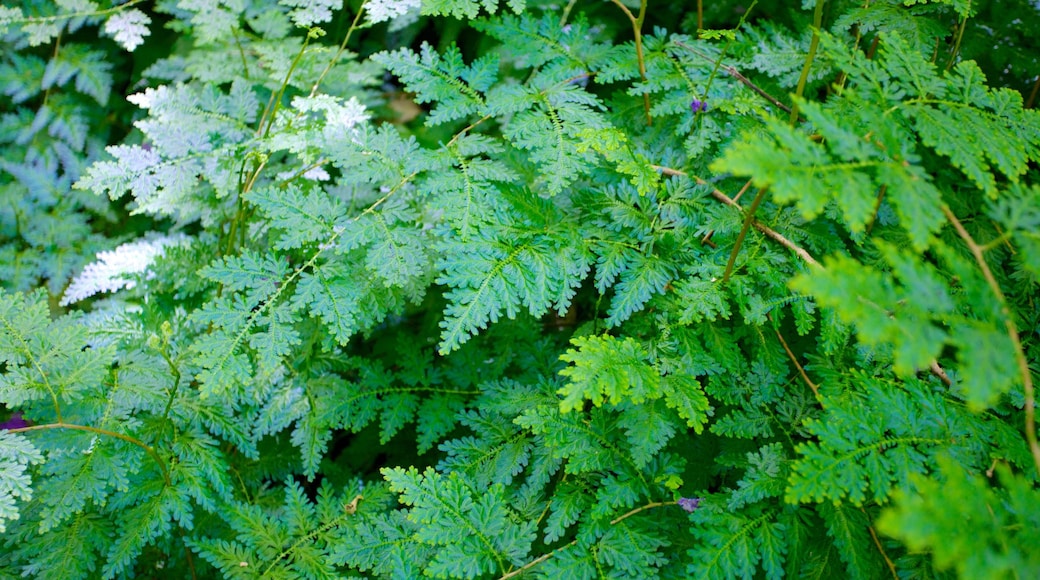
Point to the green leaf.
(607, 370)
(967, 524)
(443, 79)
(16, 455)
(849, 528)
(443, 505)
(467, 9)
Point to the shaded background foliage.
(467, 293)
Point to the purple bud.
(698, 105)
(14, 422)
(689, 503)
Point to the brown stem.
(939, 372)
(614, 521)
(768, 231)
(637, 31)
(648, 506)
(794, 359)
(187, 554)
(89, 429)
(733, 72)
(707, 237)
(1012, 331)
(873, 48)
(813, 45)
(881, 549)
(743, 190)
(877, 207)
(780, 239)
(1032, 95)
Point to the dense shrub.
(293, 289)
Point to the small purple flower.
(689, 503)
(14, 422)
(698, 105)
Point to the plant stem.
(342, 48)
(743, 232)
(285, 82)
(813, 45)
(790, 355)
(960, 35)
(725, 51)
(79, 14)
(614, 521)
(768, 231)
(1012, 331)
(567, 12)
(877, 207)
(637, 30)
(1032, 95)
(881, 549)
(733, 72)
(241, 53)
(89, 429)
(736, 198)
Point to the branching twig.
(98, 431)
(750, 217)
(733, 72)
(768, 231)
(707, 237)
(637, 31)
(614, 521)
(780, 239)
(794, 359)
(1012, 331)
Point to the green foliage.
(986, 533)
(518, 290)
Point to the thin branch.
(614, 521)
(78, 14)
(939, 372)
(780, 239)
(536, 561)
(707, 237)
(89, 429)
(881, 549)
(743, 190)
(813, 45)
(794, 359)
(750, 217)
(1012, 331)
(342, 49)
(733, 72)
(960, 36)
(648, 506)
(768, 231)
(637, 31)
(1032, 94)
(877, 207)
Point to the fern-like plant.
(469, 289)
